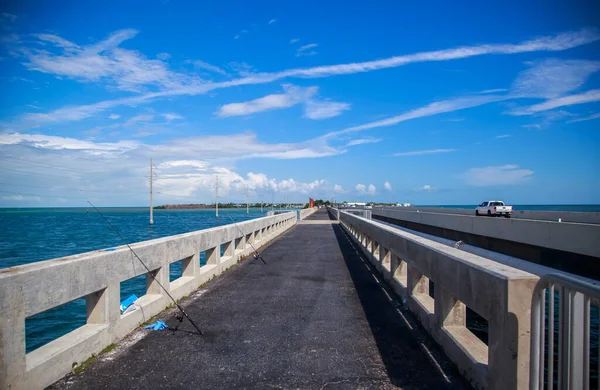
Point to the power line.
(34, 173)
(68, 189)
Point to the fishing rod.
(256, 254)
(183, 313)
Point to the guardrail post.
(449, 311)
(509, 341)
(162, 276)
(12, 339)
(96, 307)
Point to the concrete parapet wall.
(37, 287)
(307, 212)
(499, 293)
(564, 236)
(564, 216)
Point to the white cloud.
(87, 65)
(206, 66)
(315, 109)
(421, 152)
(9, 17)
(500, 175)
(387, 186)
(106, 62)
(428, 110)
(272, 21)
(20, 198)
(163, 56)
(363, 189)
(532, 126)
(293, 95)
(497, 90)
(307, 50)
(426, 188)
(237, 36)
(503, 136)
(338, 188)
(587, 118)
(295, 40)
(114, 116)
(171, 116)
(569, 100)
(361, 141)
(553, 78)
(138, 118)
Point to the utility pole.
(217, 197)
(247, 204)
(151, 216)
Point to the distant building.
(355, 204)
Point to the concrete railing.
(569, 237)
(499, 293)
(307, 212)
(564, 216)
(37, 287)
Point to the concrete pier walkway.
(314, 317)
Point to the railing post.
(509, 339)
(96, 307)
(12, 340)
(190, 266)
(162, 276)
(449, 311)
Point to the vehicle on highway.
(493, 208)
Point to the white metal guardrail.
(574, 300)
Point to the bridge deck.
(313, 317)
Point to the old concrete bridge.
(343, 302)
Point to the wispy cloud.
(237, 36)
(307, 50)
(425, 188)
(293, 95)
(295, 40)
(315, 109)
(503, 136)
(497, 90)
(206, 66)
(9, 17)
(361, 141)
(422, 152)
(105, 61)
(95, 67)
(494, 176)
(138, 118)
(171, 116)
(454, 120)
(587, 118)
(387, 186)
(338, 188)
(569, 100)
(272, 21)
(114, 116)
(532, 126)
(163, 56)
(553, 78)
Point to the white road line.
(436, 363)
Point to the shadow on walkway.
(411, 357)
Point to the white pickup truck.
(494, 208)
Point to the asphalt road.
(313, 317)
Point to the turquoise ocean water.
(30, 235)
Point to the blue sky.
(428, 104)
